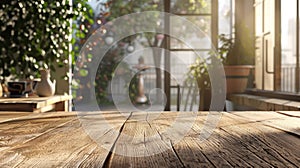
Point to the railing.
(288, 78)
(187, 97)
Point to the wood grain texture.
(264, 103)
(35, 104)
(148, 139)
(52, 141)
(272, 145)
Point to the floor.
(150, 139)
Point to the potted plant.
(237, 70)
(198, 73)
(238, 62)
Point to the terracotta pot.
(237, 78)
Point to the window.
(213, 17)
(277, 45)
(289, 49)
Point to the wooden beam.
(277, 49)
(167, 81)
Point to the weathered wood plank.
(43, 150)
(25, 128)
(277, 120)
(65, 145)
(4, 116)
(290, 113)
(264, 103)
(139, 145)
(188, 150)
(21, 130)
(273, 146)
(248, 139)
(33, 116)
(104, 135)
(220, 149)
(224, 148)
(32, 104)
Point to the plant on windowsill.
(234, 65)
(237, 58)
(198, 73)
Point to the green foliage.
(243, 47)
(34, 35)
(227, 53)
(198, 71)
(116, 8)
(106, 71)
(108, 11)
(119, 8)
(82, 29)
(133, 88)
(236, 52)
(191, 6)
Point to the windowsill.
(274, 94)
(266, 100)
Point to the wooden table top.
(59, 139)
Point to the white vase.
(45, 87)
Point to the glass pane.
(269, 14)
(190, 7)
(199, 39)
(258, 17)
(288, 43)
(180, 63)
(225, 17)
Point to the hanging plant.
(34, 35)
